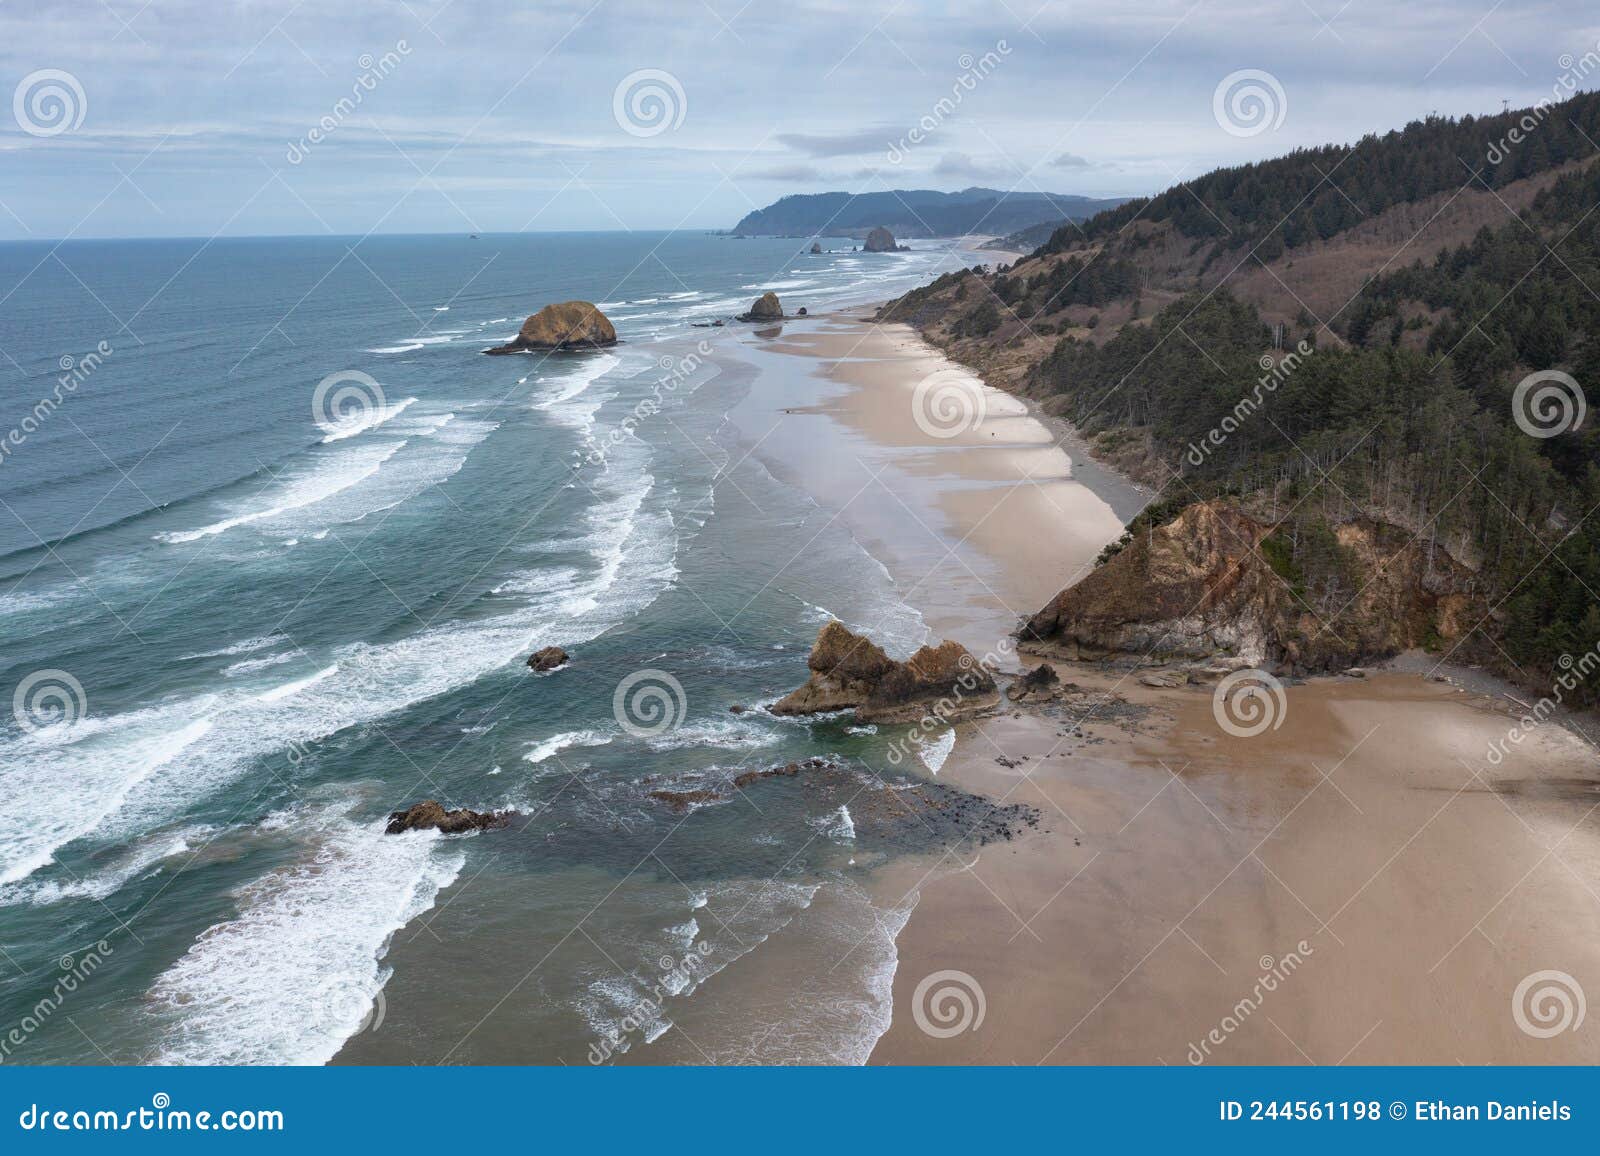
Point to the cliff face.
(1214, 582)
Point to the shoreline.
(1366, 840)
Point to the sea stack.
(850, 671)
(880, 240)
(569, 325)
(766, 308)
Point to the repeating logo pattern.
(49, 102)
(649, 102)
(1249, 102)
(1249, 702)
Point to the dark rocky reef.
(431, 815)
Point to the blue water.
(241, 622)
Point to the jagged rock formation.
(767, 307)
(849, 672)
(1204, 587)
(880, 240)
(548, 658)
(430, 815)
(568, 325)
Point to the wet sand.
(1360, 885)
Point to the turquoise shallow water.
(241, 621)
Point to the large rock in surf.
(567, 325)
(880, 240)
(849, 671)
(766, 308)
(548, 658)
(816, 247)
(430, 815)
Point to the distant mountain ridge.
(917, 212)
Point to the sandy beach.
(1359, 884)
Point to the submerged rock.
(568, 325)
(430, 815)
(849, 671)
(767, 307)
(548, 658)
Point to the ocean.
(275, 546)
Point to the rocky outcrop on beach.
(849, 671)
(880, 240)
(568, 325)
(548, 658)
(430, 815)
(1216, 588)
(767, 307)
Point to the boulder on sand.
(849, 671)
(430, 815)
(766, 308)
(880, 240)
(568, 325)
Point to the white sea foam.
(365, 420)
(117, 776)
(247, 646)
(579, 380)
(935, 752)
(251, 665)
(63, 781)
(296, 973)
(140, 860)
(555, 744)
(328, 477)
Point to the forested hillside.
(1440, 396)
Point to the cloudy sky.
(183, 118)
